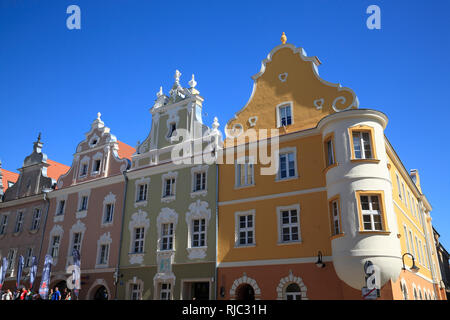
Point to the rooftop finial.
(99, 115)
(283, 38)
(160, 92)
(39, 137)
(177, 76)
(193, 83)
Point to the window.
(97, 165)
(166, 236)
(169, 187)
(36, 219)
(54, 250)
(200, 181)
(406, 239)
(412, 244)
(19, 222)
(61, 205)
(28, 257)
(84, 169)
(420, 294)
(426, 257)
(244, 174)
(404, 291)
(104, 253)
(399, 188)
(329, 151)
(289, 223)
(3, 224)
(83, 203)
(198, 232)
(419, 257)
(335, 217)
(409, 201)
(285, 115)
(138, 246)
(246, 230)
(422, 257)
(135, 291)
(362, 145)
(287, 165)
(415, 294)
(293, 292)
(76, 242)
(404, 194)
(371, 213)
(142, 194)
(11, 258)
(172, 129)
(109, 211)
(165, 291)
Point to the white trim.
(78, 227)
(105, 239)
(245, 280)
(98, 156)
(137, 184)
(60, 217)
(138, 220)
(110, 199)
(197, 210)
(167, 176)
(279, 224)
(248, 162)
(286, 281)
(237, 215)
(97, 284)
(167, 215)
(252, 263)
(194, 171)
(286, 150)
(85, 160)
(272, 196)
(277, 108)
(82, 213)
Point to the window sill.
(286, 179)
(106, 224)
(244, 186)
(95, 173)
(336, 236)
(289, 242)
(81, 214)
(58, 218)
(101, 266)
(196, 252)
(199, 193)
(167, 199)
(237, 246)
(386, 233)
(33, 231)
(365, 160)
(329, 167)
(140, 203)
(15, 234)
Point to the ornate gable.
(289, 77)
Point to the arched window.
(293, 292)
(404, 291)
(415, 294)
(420, 294)
(245, 292)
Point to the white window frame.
(248, 164)
(199, 170)
(140, 241)
(165, 177)
(197, 210)
(12, 255)
(85, 161)
(297, 295)
(4, 223)
(54, 246)
(109, 200)
(77, 228)
(330, 153)
(97, 157)
(238, 230)
(139, 219)
(169, 237)
(283, 151)
(290, 225)
(36, 220)
(28, 257)
(278, 111)
(411, 240)
(138, 183)
(167, 291)
(81, 213)
(104, 240)
(399, 187)
(18, 227)
(336, 216)
(166, 216)
(405, 230)
(135, 291)
(361, 142)
(372, 212)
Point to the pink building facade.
(85, 213)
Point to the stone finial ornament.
(283, 38)
(177, 76)
(193, 83)
(160, 92)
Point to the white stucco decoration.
(139, 219)
(319, 103)
(252, 121)
(286, 281)
(197, 210)
(283, 76)
(245, 280)
(167, 215)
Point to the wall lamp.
(320, 263)
(414, 268)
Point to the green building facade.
(168, 247)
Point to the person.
(50, 294)
(23, 294)
(8, 295)
(68, 296)
(29, 295)
(17, 294)
(56, 294)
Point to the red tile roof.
(56, 169)
(125, 151)
(8, 176)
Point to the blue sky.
(54, 80)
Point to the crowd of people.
(24, 294)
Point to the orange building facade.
(308, 228)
